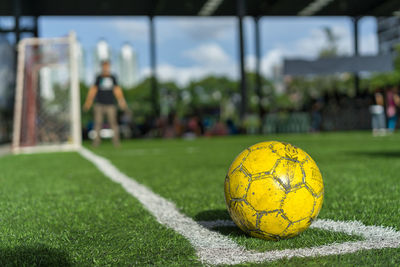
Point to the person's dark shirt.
(105, 86)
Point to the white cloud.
(369, 44)
(345, 42)
(270, 59)
(310, 45)
(207, 59)
(206, 28)
(212, 59)
(132, 29)
(197, 29)
(208, 54)
(183, 75)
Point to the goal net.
(47, 102)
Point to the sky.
(190, 48)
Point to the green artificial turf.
(58, 209)
(361, 176)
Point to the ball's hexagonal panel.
(273, 223)
(238, 161)
(243, 215)
(238, 184)
(286, 150)
(297, 227)
(265, 194)
(288, 173)
(298, 204)
(313, 177)
(317, 206)
(261, 159)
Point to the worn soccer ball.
(273, 190)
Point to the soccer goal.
(47, 101)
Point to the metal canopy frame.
(237, 8)
(254, 8)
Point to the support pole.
(356, 52)
(17, 35)
(257, 42)
(35, 29)
(153, 65)
(243, 90)
(17, 15)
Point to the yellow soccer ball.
(273, 190)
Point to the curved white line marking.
(215, 248)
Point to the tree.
(331, 48)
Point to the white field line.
(214, 248)
(165, 211)
(375, 237)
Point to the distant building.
(388, 33)
(128, 70)
(102, 52)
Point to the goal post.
(47, 101)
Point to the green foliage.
(201, 96)
(139, 100)
(331, 48)
(210, 91)
(86, 117)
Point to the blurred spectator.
(377, 111)
(174, 127)
(316, 116)
(392, 100)
(161, 125)
(219, 129)
(194, 125)
(231, 127)
(178, 125)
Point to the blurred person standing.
(316, 114)
(392, 101)
(104, 93)
(377, 110)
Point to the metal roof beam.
(209, 7)
(314, 7)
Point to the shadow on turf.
(374, 154)
(33, 256)
(212, 215)
(219, 214)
